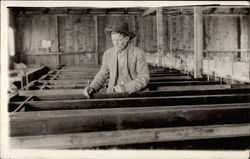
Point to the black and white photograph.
(125, 77)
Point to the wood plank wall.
(245, 41)
(73, 36)
(13, 26)
(147, 36)
(221, 35)
(182, 34)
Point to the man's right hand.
(89, 92)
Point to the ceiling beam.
(149, 11)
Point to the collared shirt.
(123, 76)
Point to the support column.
(170, 25)
(96, 41)
(135, 29)
(198, 41)
(160, 34)
(249, 40)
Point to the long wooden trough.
(96, 139)
(72, 121)
(52, 113)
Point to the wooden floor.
(51, 112)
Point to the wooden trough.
(177, 108)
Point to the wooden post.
(160, 34)
(135, 29)
(58, 59)
(58, 42)
(249, 41)
(198, 41)
(239, 37)
(96, 41)
(170, 25)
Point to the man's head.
(120, 35)
(120, 40)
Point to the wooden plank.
(181, 88)
(70, 94)
(170, 25)
(72, 121)
(71, 77)
(96, 41)
(135, 29)
(134, 102)
(21, 106)
(239, 36)
(150, 84)
(160, 34)
(149, 11)
(193, 87)
(225, 15)
(198, 41)
(94, 72)
(81, 81)
(95, 139)
(249, 39)
(37, 73)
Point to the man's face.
(119, 41)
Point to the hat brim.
(109, 30)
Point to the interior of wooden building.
(199, 63)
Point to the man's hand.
(119, 89)
(89, 92)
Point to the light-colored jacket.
(137, 69)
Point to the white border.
(111, 154)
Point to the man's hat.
(120, 27)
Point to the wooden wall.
(11, 41)
(182, 34)
(147, 33)
(221, 36)
(73, 38)
(79, 39)
(245, 41)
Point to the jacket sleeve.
(102, 75)
(142, 77)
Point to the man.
(124, 64)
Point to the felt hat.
(120, 27)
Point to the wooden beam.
(134, 102)
(68, 77)
(239, 36)
(225, 15)
(70, 94)
(249, 40)
(160, 34)
(73, 121)
(149, 11)
(225, 7)
(198, 41)
(96, 40)
(93, 74)
(135, 29)
(193, 87)
(21, 106)
(161, 88)
(170, 25)
(80, 81)
(150, 84)
(96, 139)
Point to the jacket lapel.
(113, 67)
(130, 60)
